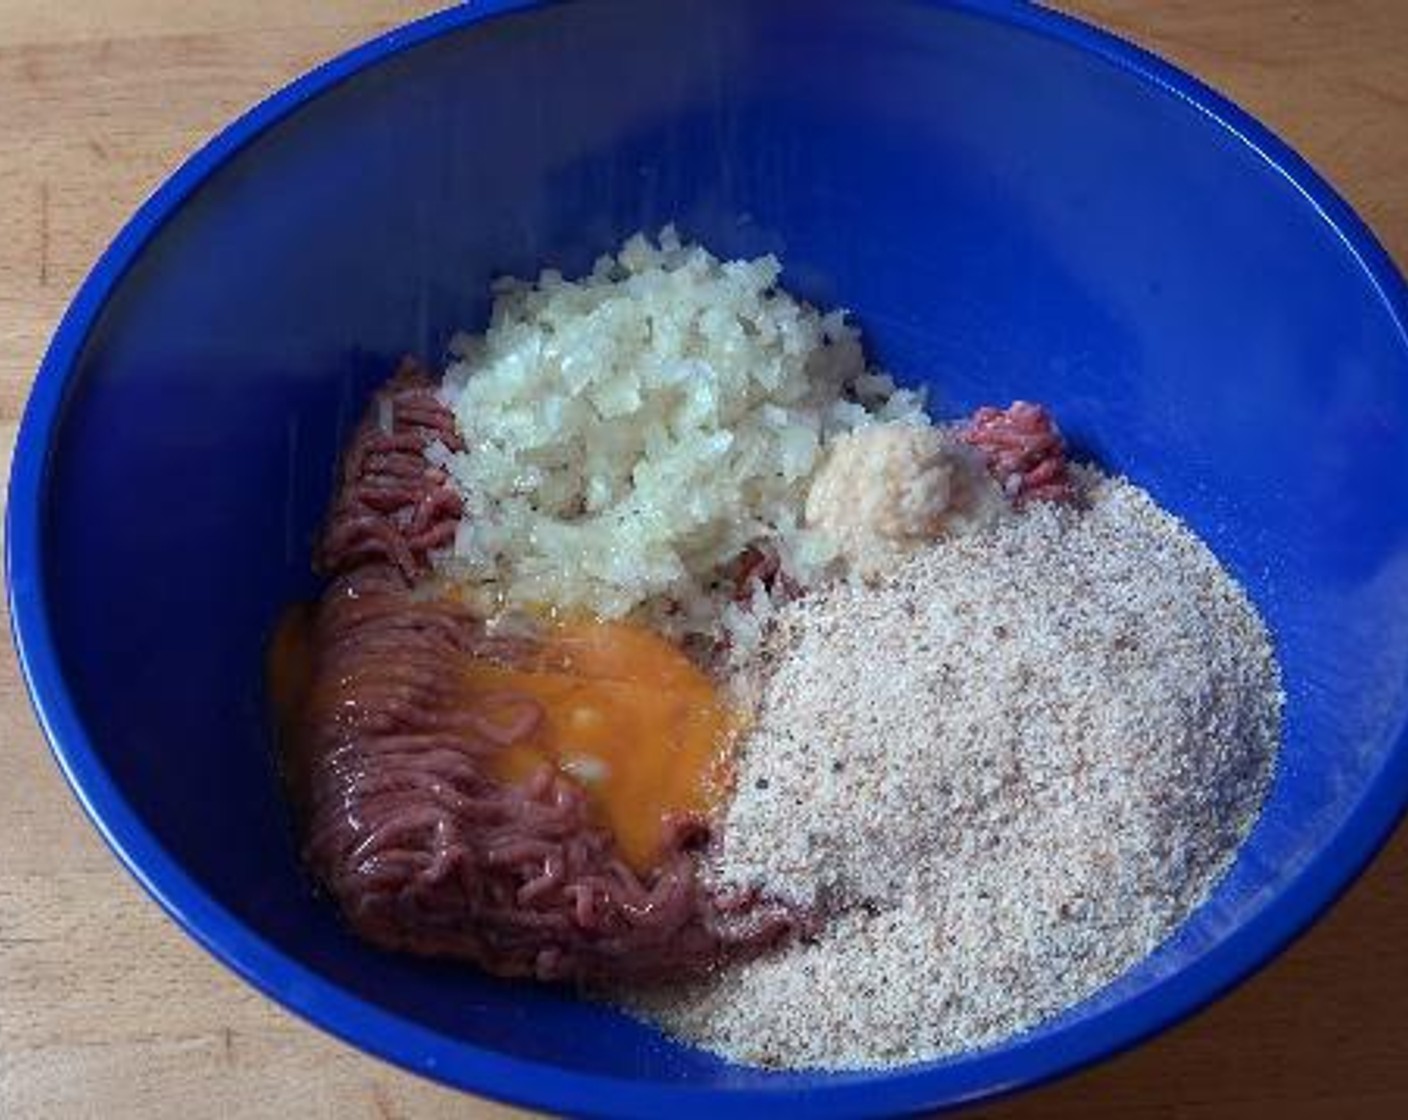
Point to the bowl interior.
(1006, 214)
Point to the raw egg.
(627, 715)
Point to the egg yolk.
(629, 717)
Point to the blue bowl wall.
(1007, 215)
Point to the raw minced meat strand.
(1024, 449)
(391, 505)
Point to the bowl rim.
(948, 1082)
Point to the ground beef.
(1024, 451)
(760, 566)
(391, 505)
(405, 826)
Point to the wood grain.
(107, 1010)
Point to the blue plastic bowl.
(1012, 203)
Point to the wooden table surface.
(107, 1010)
